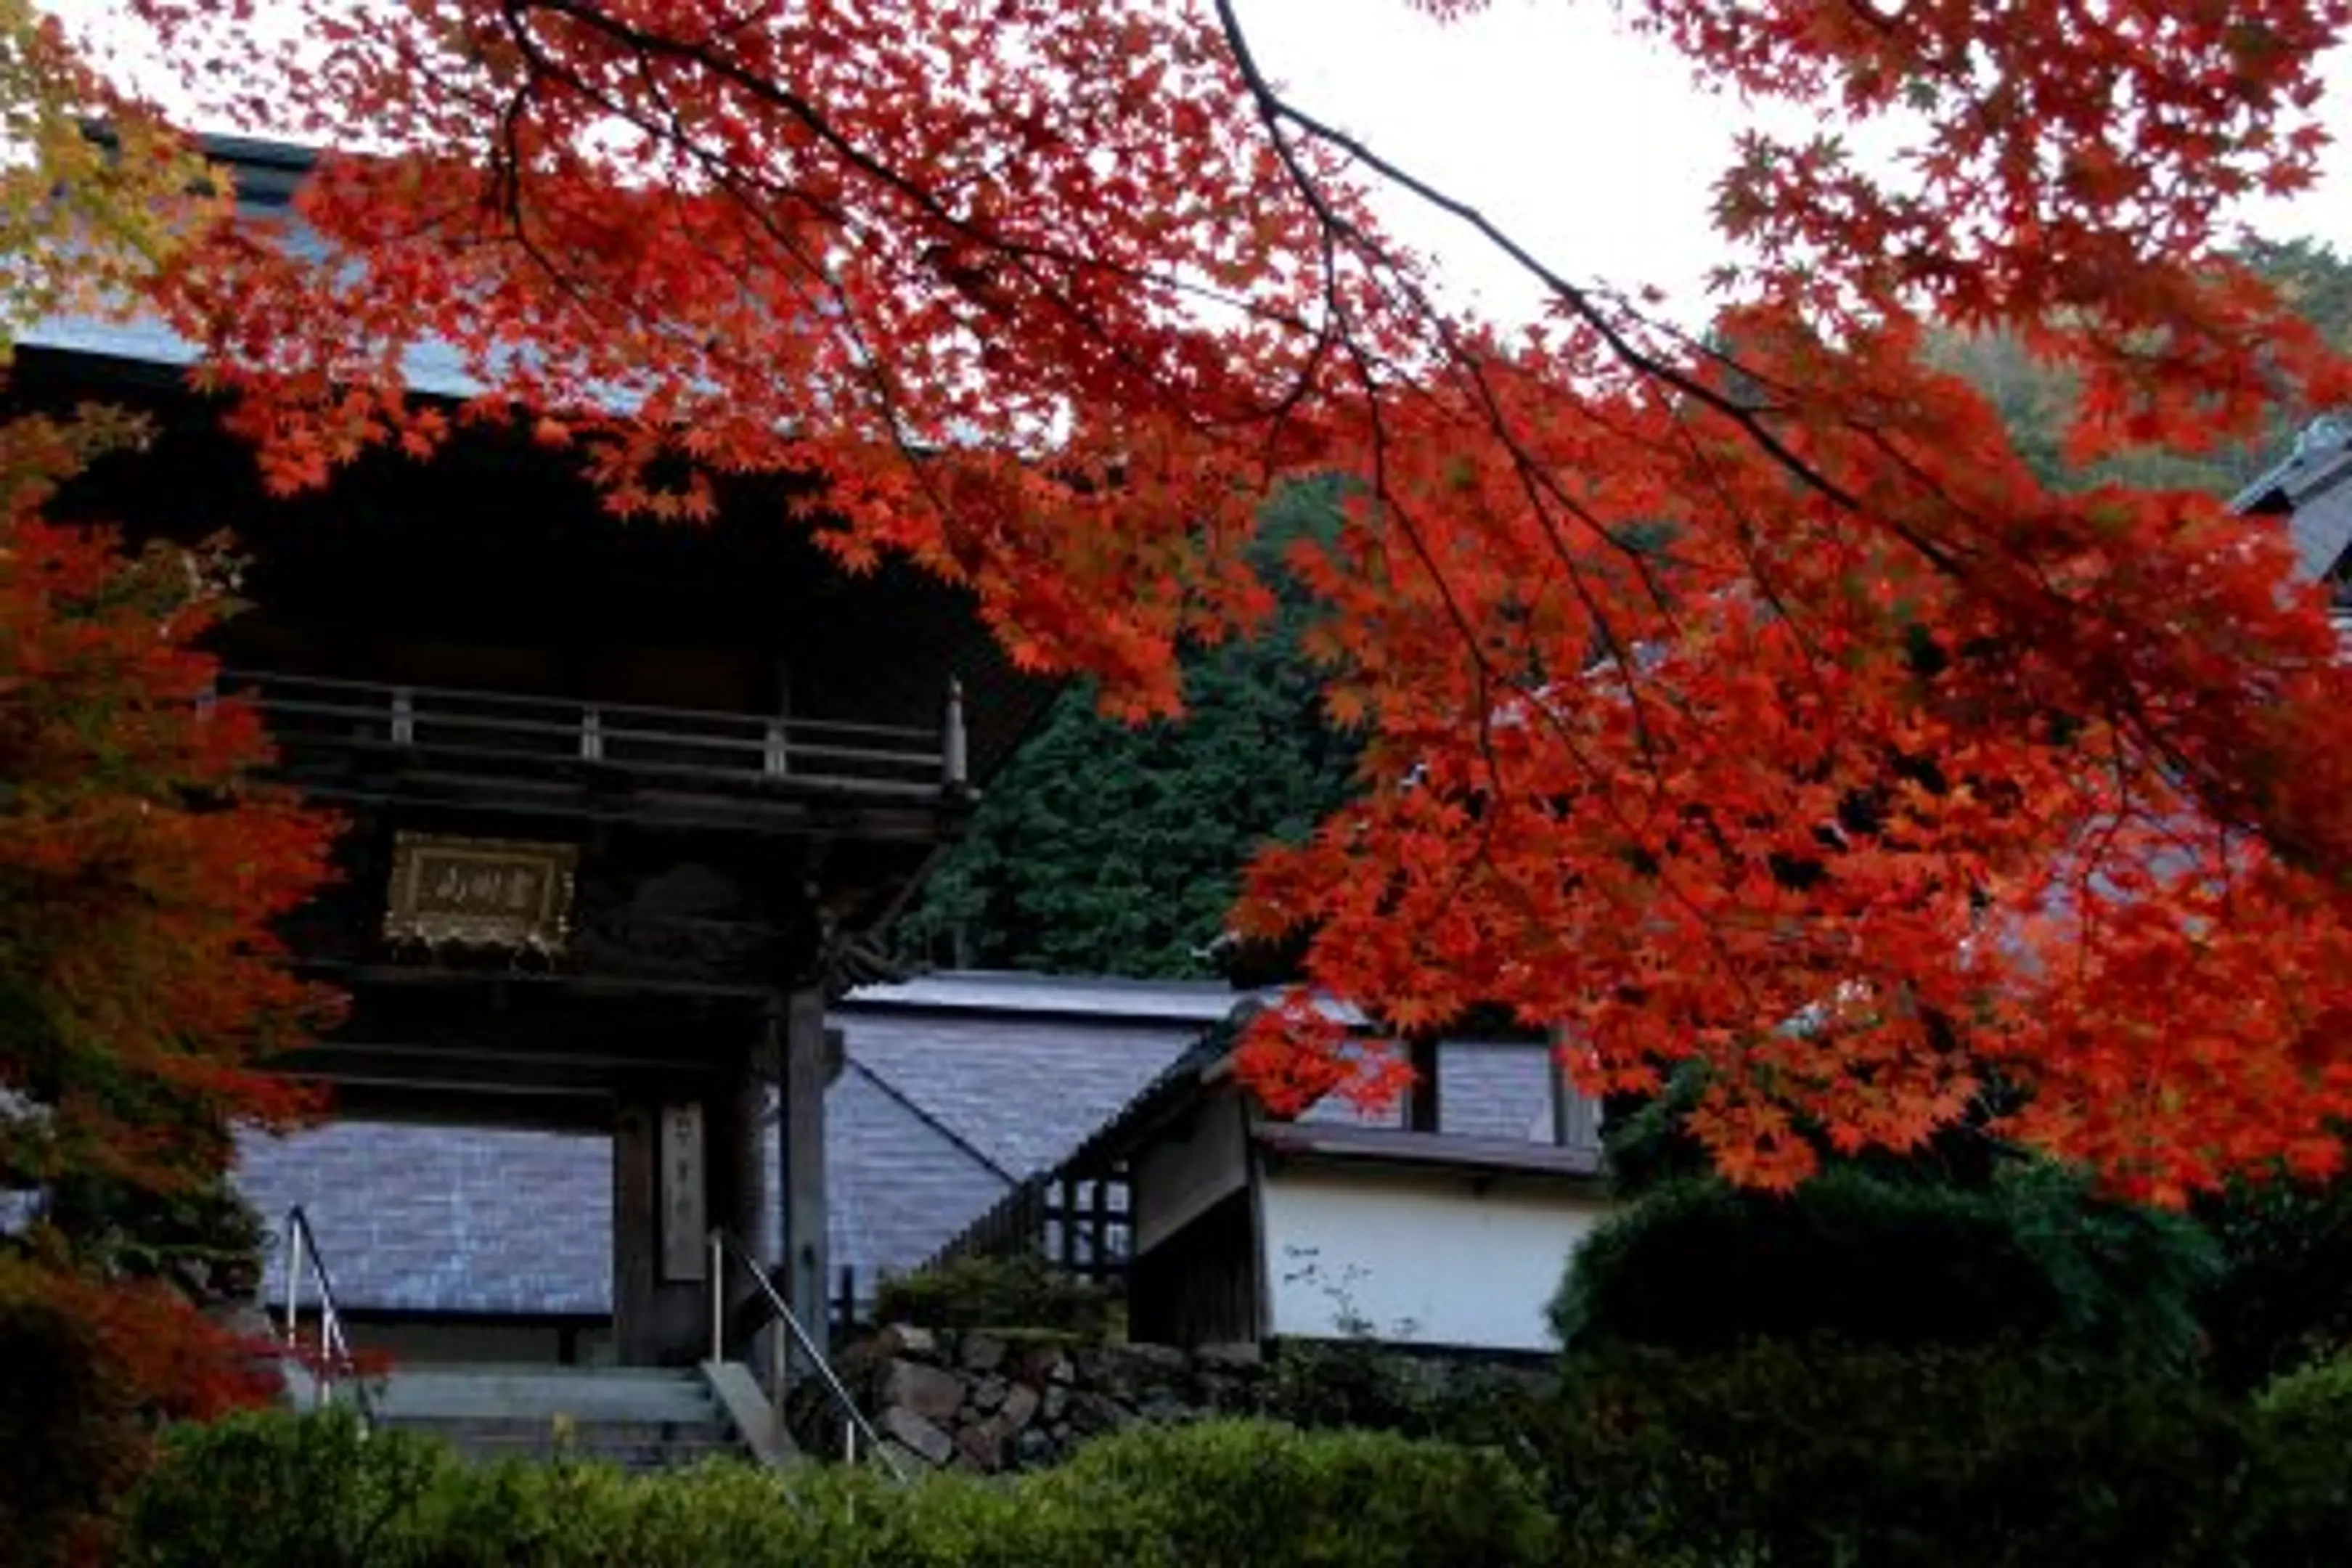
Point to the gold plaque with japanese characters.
(480, 892)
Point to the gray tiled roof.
(2313, 486)
(445, 1219)
(1022, 1095)
(1486, 1089)
(896, 1189)
(432, 367)
(939, 1109)
(265, 173)
(945, 1099)
(1011, 991)
(2323, 528)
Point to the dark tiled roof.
(897, 1190)
(2323, 528)
(1011, 991)
(1486, 1089)
(945, 1101)
(445, 1219)
(1022, 1095)
(2312, 485)
(266, 173)
(1442, 1151)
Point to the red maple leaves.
(141, 873)
(1744, 701)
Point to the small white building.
(1247, 1228)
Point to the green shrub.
(267, 1489)
(1874, 1259)
(1364, 1386)
(2284, 1297)
(277, 1491)
(69, 1437)
(2303, 1501)
(1241, 1492)
(1796, 1455)
(1022, 1292)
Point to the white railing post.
(404, 716)
(592, 736)
(718, 1298)
(293, 1282)
(330, 1340)
(953, 767)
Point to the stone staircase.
(640, 1418)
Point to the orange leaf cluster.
(140, 873)
(1742, 700)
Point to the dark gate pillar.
(801, 1156)
(684, 1161)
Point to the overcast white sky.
(1592, 145)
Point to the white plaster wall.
(1424, 1257)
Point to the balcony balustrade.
(495, 731)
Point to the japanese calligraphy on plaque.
(685, 1217)
(488, 892)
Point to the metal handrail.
(334, 1350)
(724, 1248)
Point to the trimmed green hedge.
(1892, 1261)
(1818, 1454)
(279, 1492)
(2304, 1427)
(1024, 1293)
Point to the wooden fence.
(1080, 1227)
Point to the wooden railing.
(510, 728)
(1081, 1226)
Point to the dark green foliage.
(2284, 1297)
(1106, 849)
(1362, 1385)
(205, 1239)
(1798, 1453)
(2035, 403)
(265, 1490)
(285, 1493)
(1888, 1260)
(2305, 1491)
(69, 1440)
(1651, 1145)
(1022, 1292)
(1245, 1492)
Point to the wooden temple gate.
(626, 803)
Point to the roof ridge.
(921, 1113)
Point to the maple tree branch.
(1577, 298)
(1024, 254)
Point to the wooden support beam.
(801, 1154)
(1420, 1100)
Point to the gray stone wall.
(992, 1402)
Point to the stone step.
(597, 1448)
(638, 1418)
(462, 1430)
(452, 1394)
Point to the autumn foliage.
(140, 873)
(1880, 771)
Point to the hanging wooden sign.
(485, 892)
(685, 1212)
